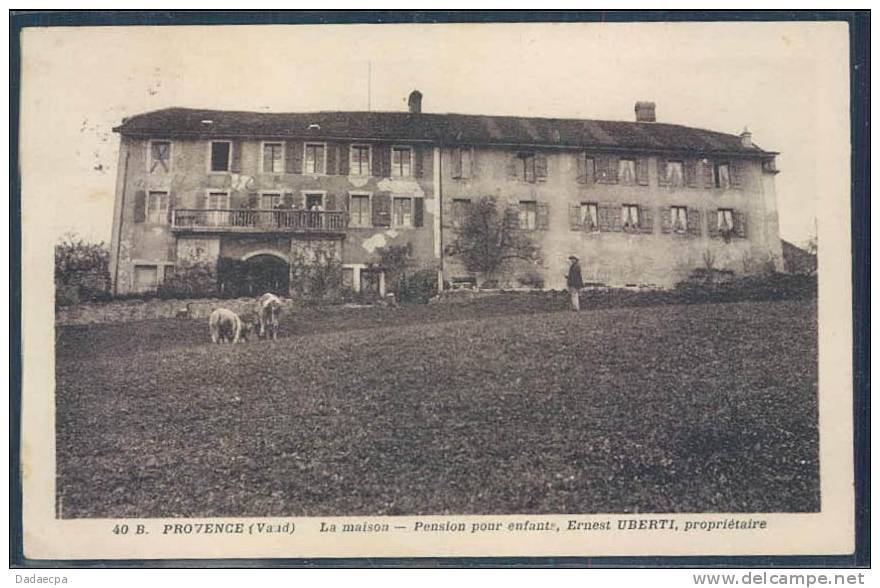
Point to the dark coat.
(575, 280)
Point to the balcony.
(252, 221)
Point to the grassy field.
(498, 406)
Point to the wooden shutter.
(253, 200)
(140, 206)
(712, 222)
(739, 224)
(708, 171)
(511, 216)
(613, 166)
(235, 166)
(331, 202)
(614, 214)
(604, 217)
(695, 222)
(418, 212)
(602, 171)
(386, 161)
(543, 216)
(737, 173)
(661, 172)
(540, 167)
(447, 213)
(456, 162)
(172, 204)
(575, 220)
(343, 160)
(665, 220)
(382, 209)
(469, 170)
(646, 219)
(376, 152)
(642, 171)
(294, 157)
(581, 159)
(332, 158)
(418, 163)
(691, 177)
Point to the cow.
(268, 310)
(226, 326)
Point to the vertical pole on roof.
(369, 85)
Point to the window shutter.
(513, 166)
(418, 162)
(739, 224)
(575, 221)
(447, 213)
(511, 216)
(346, 203)
(140, 206)
(642, 171)
(386, 161)
(456, 162)
(661, 172)
(382, 209)
(540, 167)
(332, 158)
(581, 168)
(343, 158)
(294, 157)
(418, 212)
(613, 165)
(172, 204)
(288, 199)
(377, 152)
(602, 171)
(235, 165)
(712, 222)
(737, 173)
(604, 214)
(695, 224)
(615, 211)
(666, 220)
(646, 219)
(253, 200)
(469, 170)
(331, 202)
(708, 169)
(543, 216)
(690, 174)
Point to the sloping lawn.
(450, 409)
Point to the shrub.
(190, 280)
(418, 286)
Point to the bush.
(190, 280)
(418, 287)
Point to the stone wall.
(138, 310)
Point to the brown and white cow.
(268, 310)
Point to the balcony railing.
(249, 220)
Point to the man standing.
(575, 282)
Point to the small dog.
(226, 326)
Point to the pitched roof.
(436, 128)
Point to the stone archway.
(266, 272)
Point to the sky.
(786, 82)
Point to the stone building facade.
(641, 203)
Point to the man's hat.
(574, 257)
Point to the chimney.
(415, 102)
(645, 112)
(745, 137)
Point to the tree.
(487, 238)
(81, 270)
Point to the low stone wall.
(139, 310)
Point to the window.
(674, 173)
(160, 156)
(402, 212)
(528, 215)
(401, 162)
(629, 216)
(315, 202)
(679, 219)
(626, 171)
(157, 208)
(314, 158)
(146, 278)
(360, 160)
(273, 158)
(722, 175)
(463, 162)
(220, 155)
(725, 220)
(359, 211)
(590, 216)
(217, 200)
(269, 200)
(460, 208)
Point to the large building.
(641, 203)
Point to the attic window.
(207, 121)
(314, 127)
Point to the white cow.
(226, 326)
(268, 310)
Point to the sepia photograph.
(415, 284)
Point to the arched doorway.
(266, 272)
